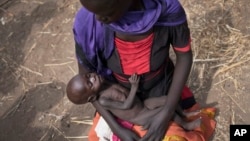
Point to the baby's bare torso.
(119, 93)
(138, 114)
(115, 92)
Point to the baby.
(121, 102)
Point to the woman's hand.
(121, 132)
(157, 127)
(127, 135)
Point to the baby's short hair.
(76, 91)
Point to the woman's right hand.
(123, 133)
(127, 135)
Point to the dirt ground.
(37, 60)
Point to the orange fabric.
(92, 135)
(177, 133)
(199, 134)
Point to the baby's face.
(93, 83)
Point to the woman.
(122, 37)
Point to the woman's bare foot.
(192, 125)
(191, 114)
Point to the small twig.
(44, 83)
(219, 65)
(230, 67)
(233, 117)
(206, 60)
(61, 64)
(54, 115)
(88, 122)
(31, 71)
(232, 29)
(71, 58)
(85, 117)
(6, 98)
(47, 24)
(36, 2)
(44, 136)
(78, 137)
(72, 70)
(32, 47)
(202, 72)
(233, 100)
(222, 81)
(52, 70)
(10, 34)
(60, 34)
(60, 132)
(13, 110)
(44, 32)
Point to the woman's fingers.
(147, 136)
(145, 127)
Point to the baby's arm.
(134, 81)
(123, 105)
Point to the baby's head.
(107, 11)
(84, 88)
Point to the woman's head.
(107, 11)
(82, 89)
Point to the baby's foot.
(192, 125)
(191, 114)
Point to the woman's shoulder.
(84, 19)
(84, 15)
(172, 13)
(85, 22)
(85, 28)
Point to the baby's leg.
(155, 102)
(187, 125)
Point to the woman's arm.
(182, 69)
(123, 133)
(181, 72)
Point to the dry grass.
(216, 43)
(215, 40)
(220, 51)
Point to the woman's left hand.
(157, 127)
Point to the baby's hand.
(134, 79)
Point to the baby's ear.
(92, 98)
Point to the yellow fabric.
(174, 138)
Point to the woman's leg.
(184, 114)
(187, 125)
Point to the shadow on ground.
(13, 37)
(19, 121)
